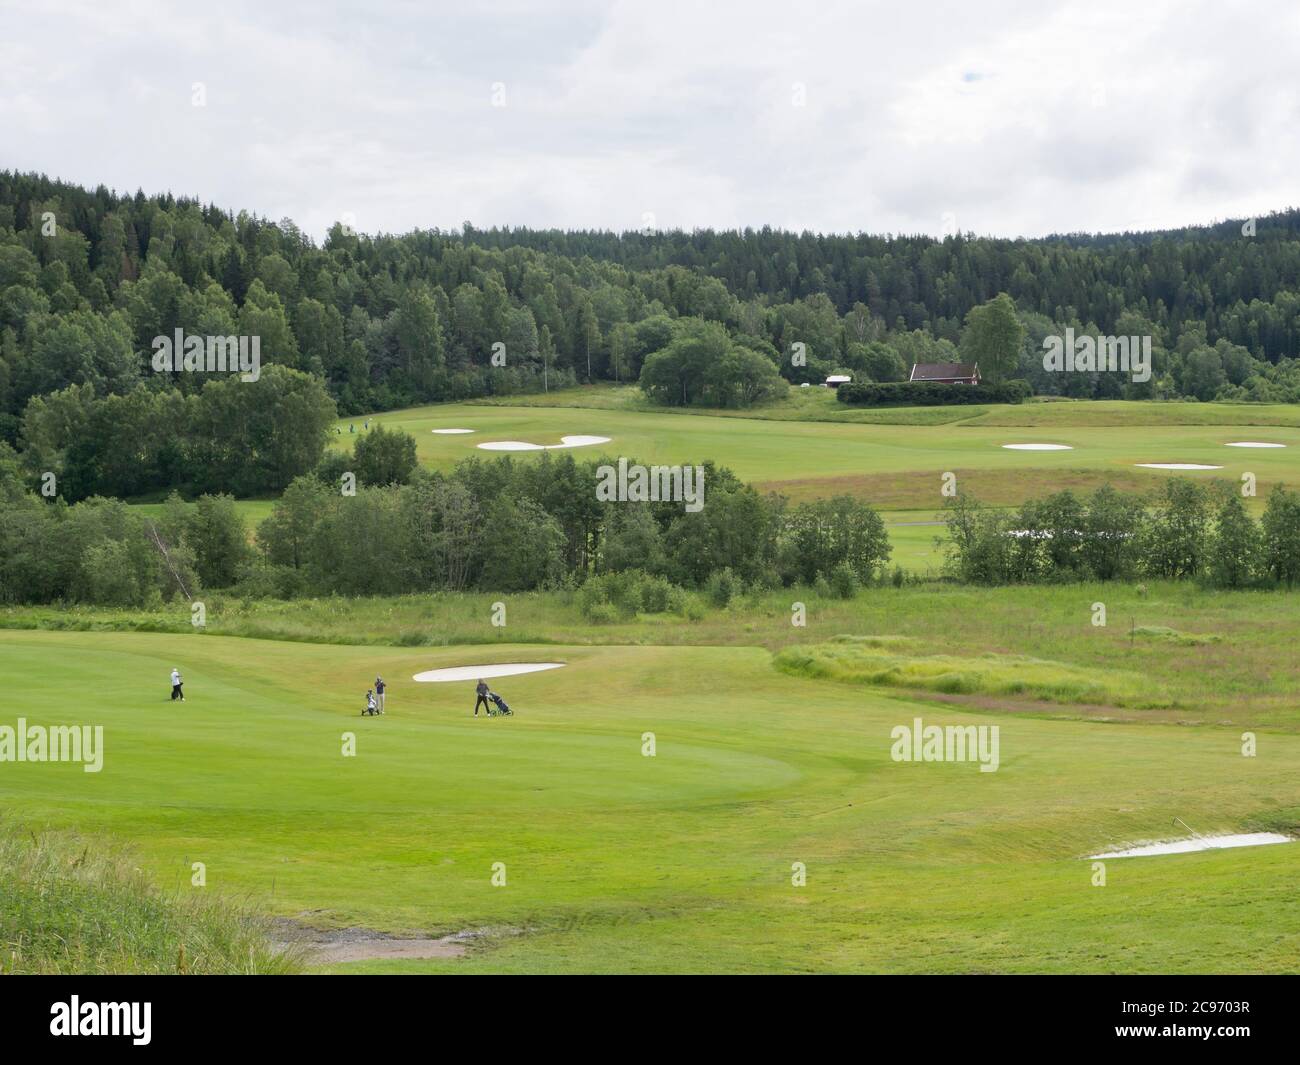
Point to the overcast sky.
(993, 117)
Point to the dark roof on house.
(943, 371)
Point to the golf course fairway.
(611, 859)
(895, 460)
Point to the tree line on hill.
(507, 526)
(88, 279)
(496, 525)
(1187, 531)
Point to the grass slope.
(895, 466)
(619, 862)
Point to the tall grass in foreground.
(75, 905)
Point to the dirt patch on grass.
(331, 946)
(919, 489)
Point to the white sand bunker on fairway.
(502, 669)
(1201, 843)
(1177, 466)
(450, 432)
(1038, 447)
(565, 441)
(1252, 443)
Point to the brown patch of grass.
(919, 489)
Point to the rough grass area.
(1184, 639)
(919, 489)
(75, 905)
(1248, 675)
(882, 664)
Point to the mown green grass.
(899, 465)
(796, 404)
(1126, 414)
(680, 862)
(820, 404)
(253, 511)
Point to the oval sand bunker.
(565, 441)
(1252, 443)
(501, 669)
(449, 432)
(1177, 466)
(1038, 447)
(1203, 843)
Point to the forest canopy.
(90, 278)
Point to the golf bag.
(501, 708)
(371, 707)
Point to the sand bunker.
(1252, 443)
(449, 432)
(1038, 447)
(1177, 466)
(565, 441)
(1201, 843)
(504, 669)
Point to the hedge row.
(929, 394)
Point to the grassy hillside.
(1207, 649)
(897, 461)
(620, 862)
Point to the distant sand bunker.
(1252, 443)
(565, 441)
(501, 669)
(449, 432)
(1177, 466)
(1038, 447)
(1202, 843)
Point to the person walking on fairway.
(177, 692)
(482, 690)
(379, 693)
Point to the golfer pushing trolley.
(491, 702)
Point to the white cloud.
(1012, 118)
